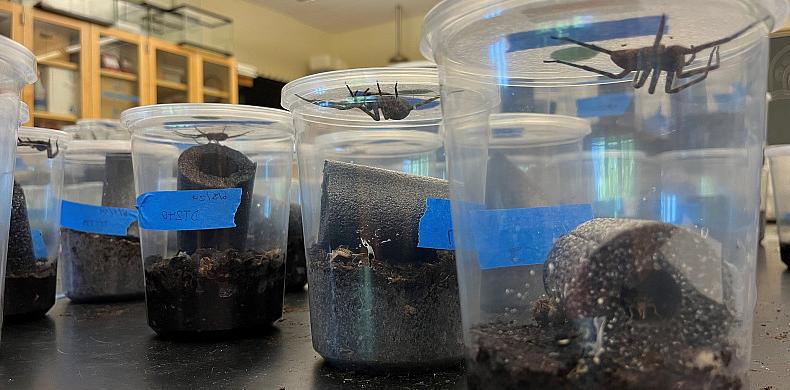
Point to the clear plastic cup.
(98, 129)
(635, 291)
(215, 258)
(17, 69)
(377, 300)
(99, 261)
(296, 265)
(779, 160)
(34, 243)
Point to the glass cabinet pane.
(56, 97)
(216, 83)
(171, 78)
(5, 23)
(120, 69)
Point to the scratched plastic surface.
(675, 101)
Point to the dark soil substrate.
(295, 265)
(784, 251)
(367, 314)
(506, 356)
(214, 291)
(100, 268)
(30, 294)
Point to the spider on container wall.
(40, 146)
(387, 105)
(658, 58)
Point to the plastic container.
(34, 244)
(650, 282)
(100, 254)
(98, 129)
(17, 68)
(377, 300)
(779, 160)
(220, 272)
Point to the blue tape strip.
(436, 227)
(39, 246)
(189, 210)
(518, 237)
(604, 105)
(588, 32)
(88, 218)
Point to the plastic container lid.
(17, 61)
(380, 143)
(164, 120)
(514, 130)
(98, 129)
(62, 138)
(709, 153)
(24, 113)
(414, 84)
(512, 38)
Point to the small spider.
(389, 106)
(658, 58)
(40, 146)
(212, 137)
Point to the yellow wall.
(374, 46)
(277, 44)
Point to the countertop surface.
(112, 347)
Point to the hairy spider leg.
(729, 38)
(326, 103)
(661, 27)
(656, 76)
(584, 44)
(591, 69)
(396, 90)
(701, 71)
(239, 135)
(50, 154)
(643, 77)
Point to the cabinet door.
(218, 81)
(120, 63)
(6, 21)
(59, 46)
(170, 74)
(10, 21)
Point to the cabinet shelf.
(171, 85)
(215, 93)
(54, 116)
(59, 64)
(116, 74)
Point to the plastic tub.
(17, 68)
(213, 184)
(100, 255)
(31, 272)
(98, 129)
(377, 299)
(635, 291)
(296, 264)
(779, 160)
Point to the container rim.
(63, 138)
(449, 12)
(413, 141)
(100, 147)
(22, 62)
(563, 129)
(777, 150)
(103, 122)
(138, 118)
(24, 112)
(319, 83)
(705, 152)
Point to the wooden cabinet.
(90, 71)
(62, 48)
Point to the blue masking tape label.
(39, 246)
(604, 105)
(96, 219)
(518, 237)
(189, 210)
(588, 32)
(436, 227)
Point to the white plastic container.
(217, 178)
(633, 293)
(369, 147)
(17, 68)
(34, 243)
